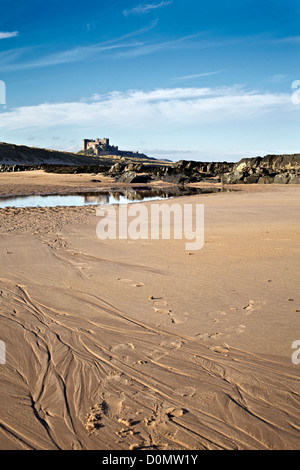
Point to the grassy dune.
(11, 154)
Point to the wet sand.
(122, 344)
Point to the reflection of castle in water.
(139, 194)
(98, 199)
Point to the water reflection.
(113, 196)
(98, 199)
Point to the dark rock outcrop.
(132, 177)
(280, 169)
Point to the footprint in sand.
(171, 345)
(248, 309)
(203, 336)
(161, 417)
(122, 347)
(208, 336)
(220, 316)
(156, 355)
(236, 329)
(110, 406)
(117, 379)
(160, 307)
(123, 351)
(220, 349)
(253, 305)
(162, 311)
(219, 313)
(167, 348)
(179, 319)
(186, 391)
(94, 418)
(127, 281)
(215, 335)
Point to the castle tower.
(84, 144)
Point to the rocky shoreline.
(280, 169)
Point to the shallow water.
(124, 196)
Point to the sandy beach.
(140, 344)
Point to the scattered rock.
(132, 177)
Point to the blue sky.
(180, 79)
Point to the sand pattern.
(101, 354)
(155, 392)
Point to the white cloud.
(156, 109)
(145, 8)
(7, 35)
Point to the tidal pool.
(113, 196)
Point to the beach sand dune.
(123, 344)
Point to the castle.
(100, 147)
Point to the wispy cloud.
(278, 78)
(79, 53)
(152, 46)
(17, 59)
(198, 75)
(152, 110)
(283, 40)
(8, 35)
(144, 8)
